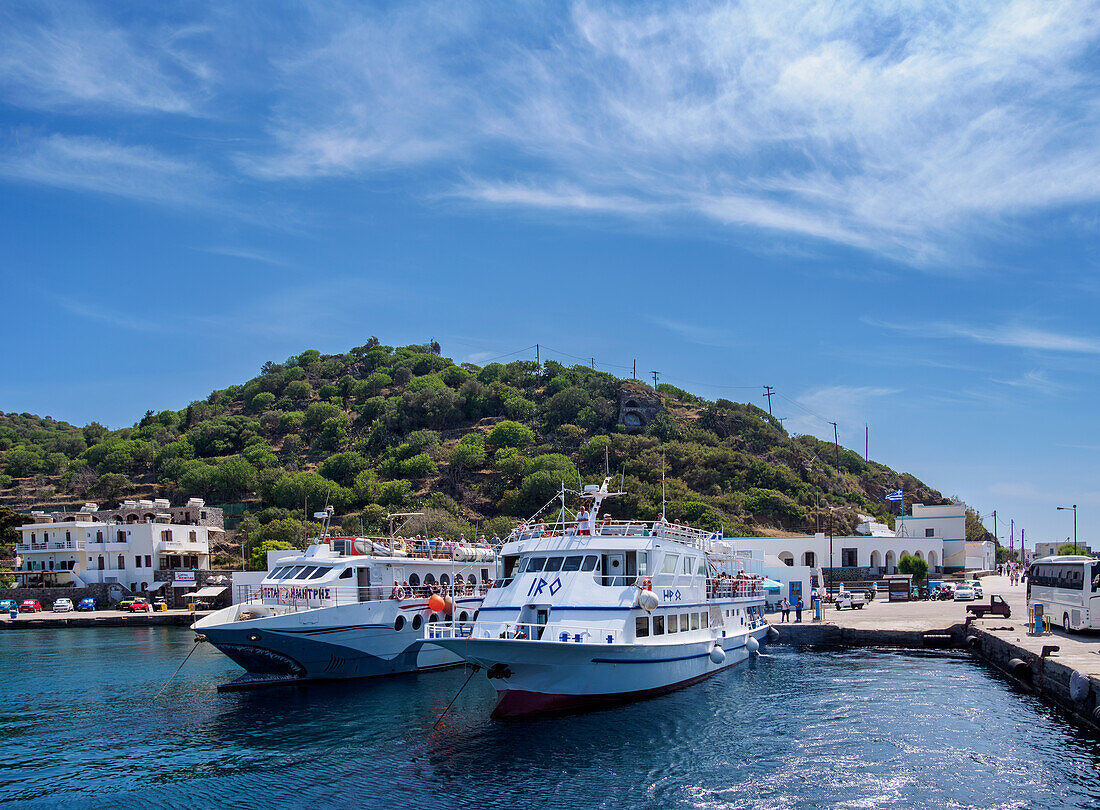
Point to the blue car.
(8, 605)
(86, 604)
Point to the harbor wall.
(47, 596)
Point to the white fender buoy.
(1078, 686)
(648, 601)
(717, 655)
(752, 645)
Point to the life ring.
(283, 594)
(647, 585)
(399, 593)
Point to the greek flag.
(896, 495)
(716, 536)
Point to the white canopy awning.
(156, 586)
(209, 591)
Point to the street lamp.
(1074, 508)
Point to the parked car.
(8, 605)
(139, 606)
(977, 586)
(87, 603)
(63, 605)
(125, 603)
(30, 606)
(964, 593)
(848, 599)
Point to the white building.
(874, 554)
(122, 546)
(946, 521)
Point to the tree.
(466, 457)
(917, 566)
(1068, 550)
(258, 560)
(112, 486)
(510, 434)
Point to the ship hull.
(348, 641)
(541, 677)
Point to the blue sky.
(888, 211)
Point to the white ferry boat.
(588, 613)
(350, 607)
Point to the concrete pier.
(1063, 668)
(99, 618)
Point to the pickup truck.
(848, 599)
(996, 607)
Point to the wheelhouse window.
(685, 622)
(694, 621)
(553, 564)
(305, 572)
(535, 563)
(590, 563)
(641, 627)
(673, 623)
(689, 565)
(572, 563)
(658, 625)
(671, 560)
(320, 572)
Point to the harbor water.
(791, 729)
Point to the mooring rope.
(198, 640)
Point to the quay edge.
(1044, 665)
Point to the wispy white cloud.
(694, 332)
(1012, 336)
(249, 254)
(103, 166)
(814, 411)
(65, 56)
(1033, 380)
(905, 128)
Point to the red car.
(30, 606)
(140, 606)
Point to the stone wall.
(47, 596)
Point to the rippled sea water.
(79, 728)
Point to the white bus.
(1068, 588)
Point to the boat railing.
(688, 535)
(734, 588)
(287, 596)
(563, 632)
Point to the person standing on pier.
(785, 607)
(798, 610)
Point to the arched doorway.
(891, 563)
(102, 563)
(787, 558)
(918, 554)
(876, 559)
(932, 560)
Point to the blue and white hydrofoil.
(350, 607)
(588, 613)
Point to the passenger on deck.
(584, 522)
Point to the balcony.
(182, 547)
(53, 545)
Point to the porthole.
(399, 624)
(463, 616)
(417, 621)
(474, 617)
(433, 618)
(448, 617)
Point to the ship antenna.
(663, 486)
(607, 461)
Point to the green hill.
(381, 429)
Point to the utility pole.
(537, 360)
(592, 360)
(1011, 535)
(836, 444)
(1074, 508)
(634, 373)
(996, 540)
(866, 442)
(655, 374)
(769, 391)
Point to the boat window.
(590, 562)
(473, 579)
(694, 621)
(463, 616)
(305, 572)
(320, 572)
(673, 624)
(688, 564)
(275, 574)
(641, 627)
(414, 580)
(418, 621)
(572, 564)
(658, 625)
(702, 568)
(670, 563)
(705, 619)
(291, 571)
(429, 579)
(535, 563)
(444, 579)
(346, 573)
(685, 622)
(399, 622)
(553, 564)
(433, 618)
